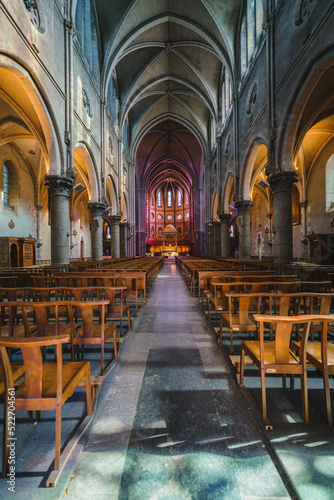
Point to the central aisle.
(171, 422)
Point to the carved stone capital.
(59, 185)
(224, 217)
(244, 205)
(96, 208)
(282, 181)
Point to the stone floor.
(172, 422)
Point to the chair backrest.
(284, 326)
(32, 360)
(87, 316)
(14, 308)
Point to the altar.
(169, 242)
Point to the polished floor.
(172, 422)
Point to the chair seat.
(253, 346)
(63, 329)
(314, 350)
(249, 324)
(116, 313)
(72, 370)
(18, 330)
(109, 329)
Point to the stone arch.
(254, 156)
(111, 192)
(227, 192)
(298, 116)
(22, 91)
(85, 163)
(125, 207)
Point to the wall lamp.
(73, 234)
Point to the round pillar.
(114, 235)
(96, 231)
(225, 234)
(244, 228)
(282, 185)
(59, 189)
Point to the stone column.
(114, 234)
(96, 231)
(140, 222)
(59, 189)
(282, 185)
(225, 234)
(244, 228)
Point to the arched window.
(226, 94)
(179, 198)
(186, 199)
(330, 184)
(152, 201)
(251, 29)
(159, 199)
(10, 186)
(243, 46)
(169, 198)
(86, 26)
(5, 171)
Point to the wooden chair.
(13, 310)
(116, 312)
(94, 334)
(47, 386)
(238, 318)
(276, 356)
(321, 355)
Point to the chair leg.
(129, 320)
(58, 436)
(6, 439)
(88, 393)
(303, 381)
(221, 330)
(263, 392)
(115, 344)
(121, 332)
(102, 357)
(209, 315)
(231, 338)
(284, 380)
(242, 365)
(328, 397)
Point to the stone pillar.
(96, 229)
(244, 228)
(39, 232)
(59, 189)
(282, 185)
(225, 234)
(140, 222)
(114, 235)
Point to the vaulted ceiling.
(167, 58)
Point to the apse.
(169, 178)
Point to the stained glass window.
(169, 198)
(5, 185)
(187, 199)
(179, 198)
(159, 199)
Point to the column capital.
(96, 207)
(59, 185)
(282, 181)
(115, 219)
(243, 205)
(224, 217)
